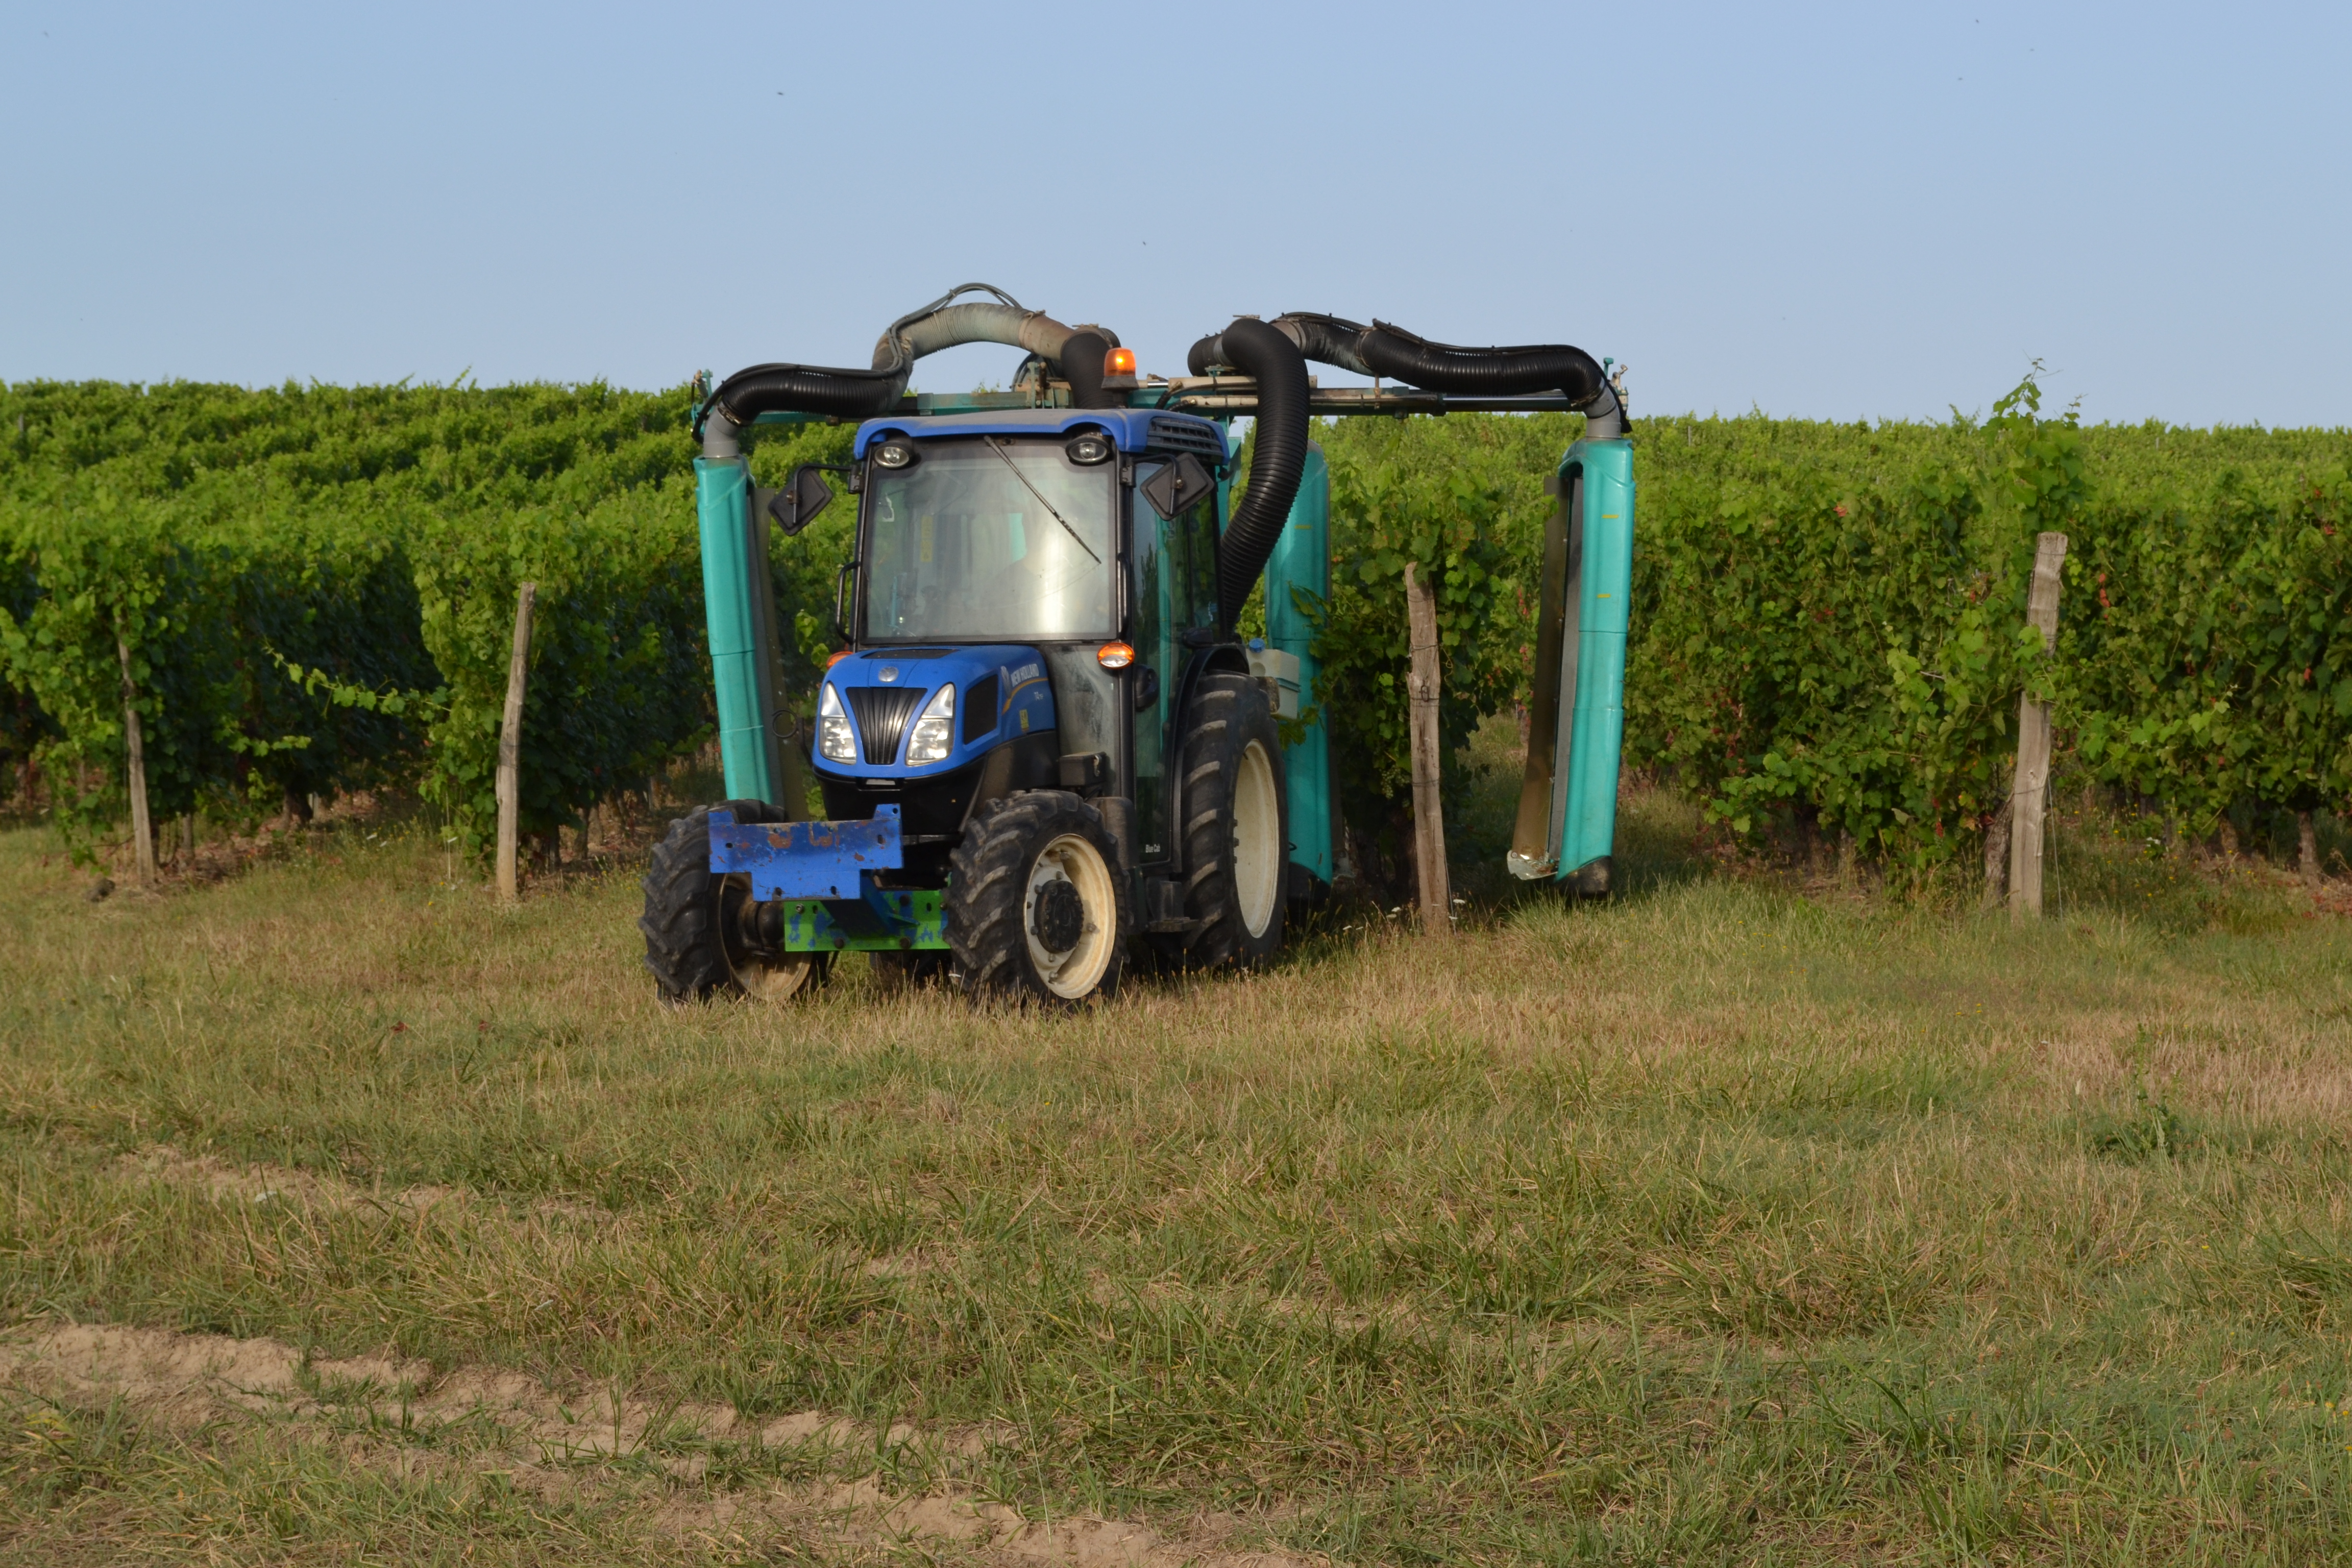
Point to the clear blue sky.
(1829, 211)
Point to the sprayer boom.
(1043, 739)
(1221, 397)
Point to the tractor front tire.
(701, 930)
(1236, 827)
(1037, 910)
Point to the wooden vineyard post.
(142, 831)
(2029, 798)
(510, 741)
(1996, 883)
(1428, 809)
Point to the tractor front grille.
(1185, 436)
(882, 712)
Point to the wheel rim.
(1071, 861)
(758, 968)
(1257, 840)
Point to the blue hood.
(1008, 681)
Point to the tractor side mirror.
(805, 496)
(1178, 487)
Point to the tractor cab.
(1037, 588)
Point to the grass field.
(1728, 1222)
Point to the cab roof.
(1130, 429)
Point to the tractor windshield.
(995, 539)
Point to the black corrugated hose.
(806, 389)
(1274, 352)
(1082, 367)
(1392, 352)
(862, 394)
(859, 394)
(1278, 459)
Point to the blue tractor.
(1043, 750)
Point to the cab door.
(1173, 590)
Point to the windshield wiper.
(997, 446)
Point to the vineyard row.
(308, 590)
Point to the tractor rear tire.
(1235, 803)
(1037, 910)
(701, 937)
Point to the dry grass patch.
(1721, 1223)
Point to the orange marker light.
(1114, 655)
(837, 658)
(1120, 362)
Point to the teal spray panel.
(1302, 559)
(1592, 734)
(739, 606)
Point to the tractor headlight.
(932, 734)
(834, 741)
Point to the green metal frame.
(1567, 804)
(1588, 814)
(1302, 560)
(738, 604)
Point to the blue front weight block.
(807, 859)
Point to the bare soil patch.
(549, 1441)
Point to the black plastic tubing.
(859, 394)
(1392, 352)
(1258, 350)
(1497, 371)
(807, 389)
(1082, 357)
